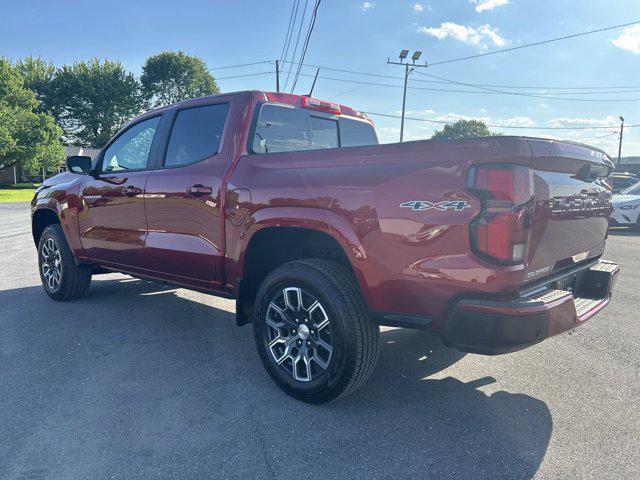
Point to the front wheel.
(312, 330)
(61, 278)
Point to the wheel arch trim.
(311, 218)
(67, 216)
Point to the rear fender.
(312, 218)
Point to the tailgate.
(572, 206)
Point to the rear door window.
(196, 134)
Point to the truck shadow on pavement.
(141, 380)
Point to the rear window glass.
(287, 129)
(196, 134)
(355, 133)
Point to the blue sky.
(359, 36)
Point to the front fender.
(66, 207)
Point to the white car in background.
(626, 208)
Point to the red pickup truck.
(288, 205)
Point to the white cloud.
(493, 35)
(629, 40)
(428, 111)
(515, 121)
(417, 7)
(482, 5)
(608, 121)
(392, 134)
(366, 6)
(470, 35)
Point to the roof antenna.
(314, 83)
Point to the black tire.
(73, 280)
(353, 335)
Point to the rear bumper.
(491, 328)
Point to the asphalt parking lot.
(138, 380)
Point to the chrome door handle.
(199, 190)
(131, 191)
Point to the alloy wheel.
(51, 264)
(298, 334)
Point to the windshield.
(632, 190)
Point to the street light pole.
(620, 142)
(404, 99)
(408, 68)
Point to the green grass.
(22, 192)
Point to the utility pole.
(278, 76)
(620, 143)
(408, 68)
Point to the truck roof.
(302, 101)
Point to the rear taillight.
(501, 232)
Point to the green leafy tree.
(39, 76)
(170, 77)
(96, 99)
(464, 129)
(28, 138)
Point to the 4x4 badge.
(419, 205)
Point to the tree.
(464, 129)
(96, 99)
(170, 77)
(28, 138)
(39, 76)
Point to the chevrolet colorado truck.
(288, 205)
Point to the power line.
(532, 95)
(245, 75)
(598, 138)
(535, 43)
(545, 87)
(519, 127)
(287, 38)
(240, 65)
(488, 92)
(293, 57)
(379, 84)
(525, 87)
(290, 34)
(312, 23)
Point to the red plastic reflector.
(315, 104)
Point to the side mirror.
(79, 164)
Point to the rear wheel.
(61, 278)
(313, 332)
